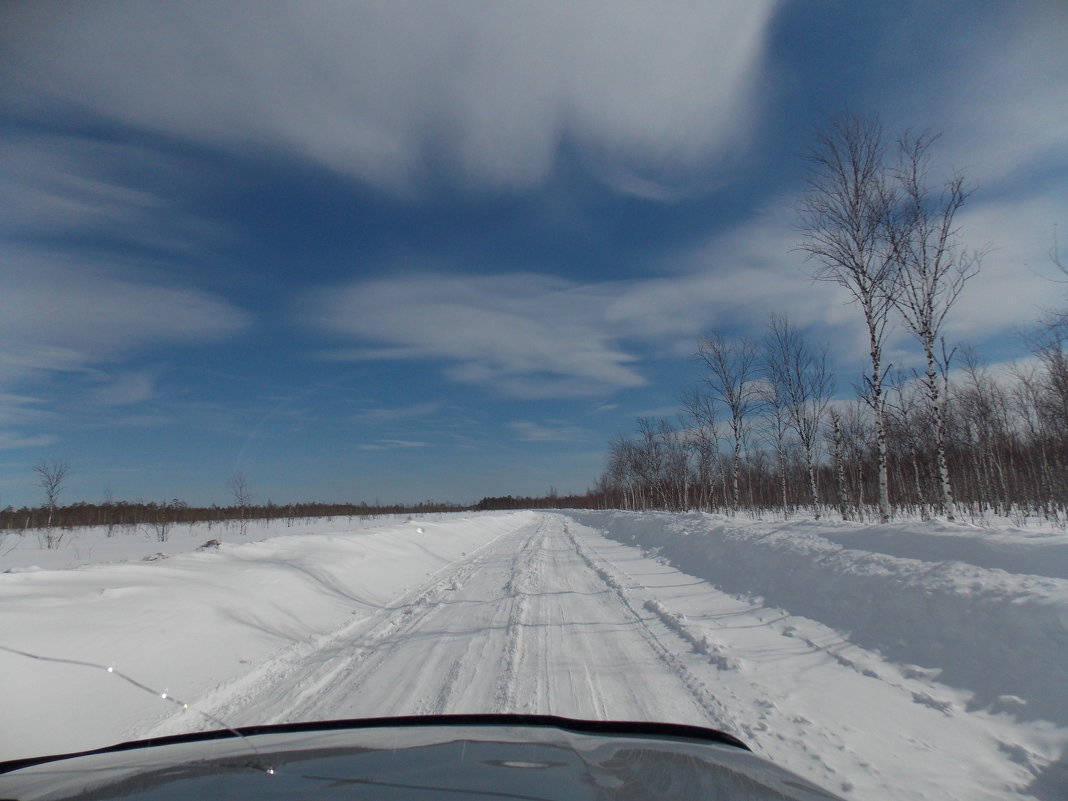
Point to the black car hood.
(454, 757)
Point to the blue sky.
(399, 251)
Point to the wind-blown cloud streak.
(524, 335)
(535, 336)
(59, 315)
(488, 91)
(999, 96)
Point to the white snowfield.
(912, 661)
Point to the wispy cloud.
(1003, 113)
(1014, 286)
(125, 388)
(551, 431)
(392, 444)
(25, 421)
(22, 408)
(56, 187)
(489, 91)
(523, 335)
(10, 440)
(400, 413)
(61, 314)
(535, 336)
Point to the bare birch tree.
(51, 476)
(237, 483)
(776, 414)
(731, 374)
(700, 415)
(843, 216)
(931, 270)
(838, 463)
(805, 384)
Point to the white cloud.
(534, 336)
(63, 315)
(492, 89)
(392, 444)
(733, 282)
(1014, 286)
(388, 415)
(21, 409)
(737, 279)
(10, 440)
(524, 335)
(125, 388)
(997, 92)
(64, 185)
(552, 431)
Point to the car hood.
(535, 758)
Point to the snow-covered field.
(882, 662)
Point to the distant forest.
(124, 515)
(1006, 452)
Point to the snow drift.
(999, 634)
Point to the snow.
(916, 660)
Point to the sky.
(401, 251)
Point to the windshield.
(687, 362)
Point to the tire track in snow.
(308, 670)
(717, 713)
(522, 584)
(380, 648)
(718, 656)
(441, 703)
(526, 644)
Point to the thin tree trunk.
(813, 487)
(883, 457)
(934, 391)
(879, 410)
(839, 466)
(736, 468)
(920, 503)
(782, 483)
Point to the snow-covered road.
(534, 612)
(525, 623)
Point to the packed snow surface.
(882, 662)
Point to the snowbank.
(189, 621)
(1001, 635)
(93, 545)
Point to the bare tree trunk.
(736, 469)
(839, 465)
(918, 485)
(813, 488)
(949, 506)
(782, 483)
(878, 406)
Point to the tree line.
(1005, 447)
(51, 521)
(761, 431)
(132, 514)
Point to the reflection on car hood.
(535, 758)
